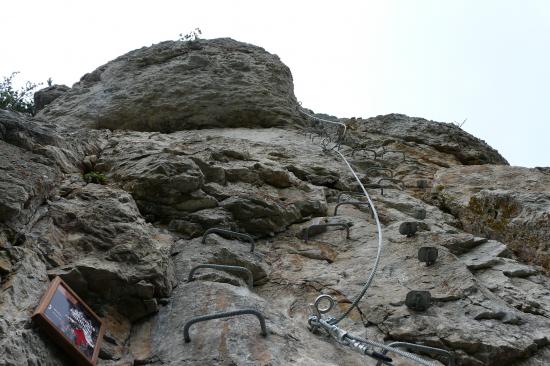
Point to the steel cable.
(394, 350)
(379, 252)
(335, 148)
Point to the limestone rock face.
(220, 146)
(443, 137)
(34, 155)
(97, 242)
(198, 179)
(45, 96)
(511, 204)
(174, 86)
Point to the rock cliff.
(189, 136)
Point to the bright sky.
(485, 61)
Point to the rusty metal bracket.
(229, 233)
(223, 267)
(306, 234)
(225, 314)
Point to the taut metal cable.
(340, 138)
(379, 252)
(316, 321)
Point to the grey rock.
(509, 204)
(172, 86)
(127, 247)
(444, 137)
(511, 268)
(485, 255)
(45, 96)
(20, 342)
(96, 240)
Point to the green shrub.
(17, 100)
(95, 177)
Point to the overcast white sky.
(487, 61)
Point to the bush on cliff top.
(17, 100)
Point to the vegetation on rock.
(17, 100)
(95, 177)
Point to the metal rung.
(306, 236)
(223, 267)
(349, 193)
(363, 149)
(353, 203)
(230, 234)
(384, 151)
(393, 180)
(226, 314)
(379, 169)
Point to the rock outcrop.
(207, 135)
(45, 96)
(174, 86)
(511, 204)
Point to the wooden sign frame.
(79, 333)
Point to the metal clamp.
(306, 235)
(428, 255)
(230, 234)
(226, 314)
(418, 300)
(422, 348)
(353, 203)
(250, 278)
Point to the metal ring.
(321, 298)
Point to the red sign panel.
(70, 322)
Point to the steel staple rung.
(379, 169)
(226, 314)
(231, 234)
(348, 193)
(363, 149)
(223, 267)
(306, 236)
(353, 203)
(392, 180)
(384, 151)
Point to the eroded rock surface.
(510, 204)
(443, 137)
(194, 155)
(45, 96)
(172, 86)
